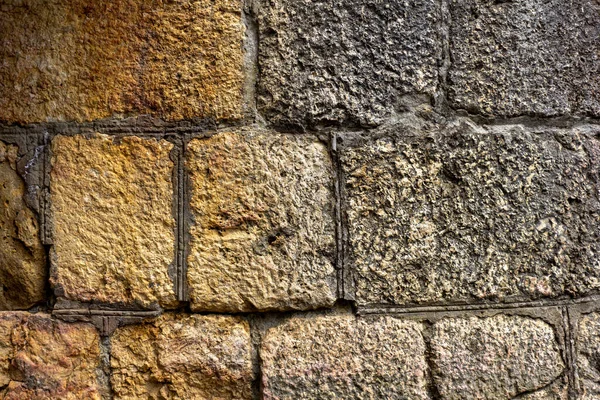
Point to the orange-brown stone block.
(183, 357)
(22, 256)
(41, 358)
(114, 230)
(84, 60)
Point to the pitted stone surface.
(464, 213)
(329, 62)
(532, 57)
(588, 356)
(85, 60)
(111, 203)
(44, 359)
(264, 231)
(341, 357)
(22, 256)
(183, 357)
(494, 358)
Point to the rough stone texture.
(493, 358)
(41, 358)
(84, 60)
(111, 203)
(341, 357)
(264, 233)
(588, 356)
(328, 62)
(532, 57)
(464, 213)
(22, 256)
(183, 357)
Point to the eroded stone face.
(111, 203)
(495, 358)
(41, 358)
(588, 356)
(264, 232)
(82, 60)
(22, 256)
(328, 62)
(183, 357)
(464, 213)
(341, 357)
(532, 57)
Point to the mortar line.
(390, 309)
(571, 353)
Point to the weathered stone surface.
(328, 62)
(41, 358)
(588, 356)
(82, 60)
(22, 256)
(466, 213)
(183, 357)
(494, 358)
(111, 203)
(341, 357)
(533, 57)
(264, 232)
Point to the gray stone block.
(531, 57)
(464, 213)
(329, 62)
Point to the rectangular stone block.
(183, 357)
(41, 358)
(499, 357)
(532, 57)
(328, 62)
(342, 357)
(588, 356)
(82, 60)
(112, 216)
(263, 236)
(461, 213)
(22, 256)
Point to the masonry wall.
(300, 199)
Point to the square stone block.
(263, 236)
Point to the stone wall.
(294, 199)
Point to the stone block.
(264, 233)
(466, 214)
(112, 216)
(531, 57)
(22, 256)
(588, 356)
(183, 357)
(328, 62)
(41, 358)
(499, 357)
(342, 357)
(82, 60)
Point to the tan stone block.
(499, 357)
(84, 60)
(588, 354)
(22, 256)
(41, 358)
(114, 230)
(342, 357)
(264, 232)
(183, 357)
